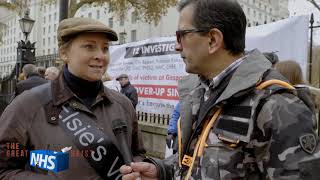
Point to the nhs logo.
(49, 160)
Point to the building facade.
(129, 28)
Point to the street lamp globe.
(26, 24)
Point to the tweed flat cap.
(73, 26)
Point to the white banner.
(154, 67)
(288, 36)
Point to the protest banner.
(154, 67)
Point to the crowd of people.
(241, 114)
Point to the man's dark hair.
(225, 15)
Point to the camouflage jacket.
(258, 135)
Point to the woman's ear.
(63, 54)
(215, 40)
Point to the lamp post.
(25, 49)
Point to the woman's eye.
(89, 46)
(106, 49)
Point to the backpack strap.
(268, 83)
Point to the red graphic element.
(157, 91)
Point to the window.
(49, 17)
(54, 39)
(133, 35)
(122, 38)
(55, 16)
(44, 19)
(49, 30)
(121, 21)
(43, 42)
(48, 51)
(110, 9)
(49, 42)
(134, 17)
(254, 13)
(98, 14)
(90, 15)
(111, 22)
(55, 27)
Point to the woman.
(39, 119)
(292, 71)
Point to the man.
(32, 80)
(41, 71)
(127, 89)
(51, 73)
(172, 129)
(230, 129)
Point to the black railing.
(152, 118)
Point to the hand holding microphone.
(119, 128)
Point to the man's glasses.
(181, 33)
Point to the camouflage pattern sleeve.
(286, 136)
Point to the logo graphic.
(49, 160)
(308, 142)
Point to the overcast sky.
(299, 7)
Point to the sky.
(299, 7)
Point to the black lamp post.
(25, 49)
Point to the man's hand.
(139, 170)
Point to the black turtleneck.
(87, 91)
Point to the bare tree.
(150, 10)
(315, 3)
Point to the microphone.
(119, 128)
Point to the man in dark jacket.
(127, 89)
(33, 79)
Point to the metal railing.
(154, 119)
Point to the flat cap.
(122, 76)
(70, 27)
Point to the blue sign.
(49, 160)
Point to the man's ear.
(215, 40)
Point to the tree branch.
(315, 4)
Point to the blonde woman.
(74, 111)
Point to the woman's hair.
(290, 70)
(106, 77)
(21, 77)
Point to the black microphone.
(119, 128)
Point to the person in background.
(73, 110)
(233, 125)
(32, 79)
(272, 57)
(293, 72)
(172, 131)
(107, 82)
(21, 77)
(41, 70)
(127, 89)
(51, 73)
